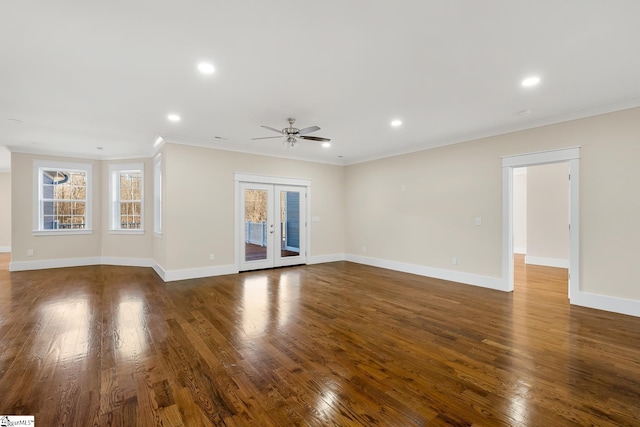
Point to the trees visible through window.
(63, 199)
(126, 197)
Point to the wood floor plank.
(330, 344)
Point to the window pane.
(63, 199)
(48, 222)
(128, 193)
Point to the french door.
(273, 225)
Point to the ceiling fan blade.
(267, 137)
(308, 130)
(273, 129)
(314, 138)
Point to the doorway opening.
(271, 222)
(568, 155)
(541, 230)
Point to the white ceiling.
(80, 74)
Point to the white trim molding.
(570, 155)
(38, 168)
(321, 259)
(438, 273)
(196, 273)
(4, 249)
(547, 262)
(520, 250)
(53, 263)
(241, 178)
(79, 262)
(607, 303)
(126, 262)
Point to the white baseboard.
(437, 273)
(5, 249)
(79, 262)
(196, 273)
(319, 259)
(53, 263)
(607, 303)
(547, 262)
(128, 262)
(520, 250)
(160, 271)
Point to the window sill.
(134, 232)
(60, 232)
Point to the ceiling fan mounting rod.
(291, 132)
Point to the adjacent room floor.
(329, 344)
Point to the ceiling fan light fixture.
(173, 118)
(292, 134)
(326, 144)
(396, 123)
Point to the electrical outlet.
(364, 249)
(454, 261)
(479, 220)
(29, 252)
(212, 257)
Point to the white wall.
(416, 209)
(59, 250)
(116, 247)
(199, 203)
(548, 215)
(520, 210)
(5, 212)
(433, 220)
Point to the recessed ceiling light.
(326, 144)
(158, 141)
(206, 68)
(173, 117)
(396, 123)
(531, 81)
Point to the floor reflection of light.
(327, 400)
(131, 336)
(288, 294)
(255, 305)
(71, 318)
(518, 403)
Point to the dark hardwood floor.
(336, 344)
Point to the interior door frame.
(272, 180)
(570, 155)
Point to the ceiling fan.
(293, 134)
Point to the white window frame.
(115, 170)
(38, 209)
(157, 195)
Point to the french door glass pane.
(290, 223)
(255, 222)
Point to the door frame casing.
(570, 155)
(273, 180)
